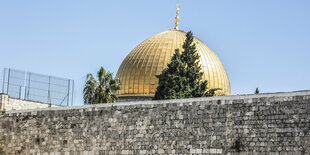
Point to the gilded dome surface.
(138, 71)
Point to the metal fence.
(37, 87)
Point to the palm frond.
(102, 90)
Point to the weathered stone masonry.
(267, 123)
(8, 103)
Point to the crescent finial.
(177, 17)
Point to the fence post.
(68, 92)
(72, 92)
(3, 80)
(20, 92)
(28, 85)
(49, 91)
(25, 93)
(8, 81)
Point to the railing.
(37, 87)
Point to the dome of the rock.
(138, 71)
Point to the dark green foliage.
(171, 84)
(256, 91)
(211, 92)
(237, 145)
(183, 77)
(102, 90)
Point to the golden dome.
(138, 71)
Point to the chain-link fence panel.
(37, 87)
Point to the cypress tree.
(183, 77)
(191, 58)
(172, 80)
(256, 91)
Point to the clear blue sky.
(262, 43)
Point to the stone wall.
(7, 103)
(134, 99)
(251, 124)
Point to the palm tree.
(101, 90)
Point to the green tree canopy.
(101, 90)
(183, 77)
(256, 91)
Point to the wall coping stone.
(215, 98)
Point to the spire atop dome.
(177, 18)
